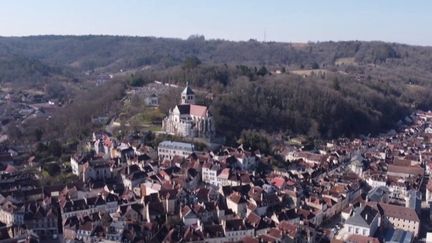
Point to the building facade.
(169, 149)
(363, 222)
(398, 217)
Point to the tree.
(148, 138)
(262, 71)
(196, 38)
(313, 131)
(14, 132)
(38, 134)
(191, 62)
(169, 100)
(137, 81)
(254, 140)
(40, 148)
(56, 91)
(53, 169)
(336, 84)
(55, 148)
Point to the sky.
(403, 21)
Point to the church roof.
(184, 109)
(198, 110)
(194, 110)
(188, 91)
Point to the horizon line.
(210, 39)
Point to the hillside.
(324, 89)
(113, 52)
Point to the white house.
(169, 149)
(364, 221)
(76, 166)
(96, 170)
(152, 100)
(209, 173)
(236, 230)
(237, 203)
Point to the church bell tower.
(187, 95)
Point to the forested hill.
(115, 52)
(325, 89)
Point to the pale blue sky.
(408, 21)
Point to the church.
(188, 119)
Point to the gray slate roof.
(363, 216)
(188, 91)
